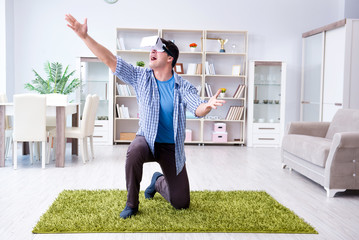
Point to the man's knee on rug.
(180, 202)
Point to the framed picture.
(236, 70)
(179, 68)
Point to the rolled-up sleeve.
(126, 72)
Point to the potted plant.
(193, 46)
(222, 94)
(140, 63)
(56, 82)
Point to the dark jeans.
(174, 188)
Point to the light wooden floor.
(26, 193)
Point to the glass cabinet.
(266, 101)
(95, 78)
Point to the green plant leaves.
(56, 81)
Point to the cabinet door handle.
(106, 91)
(98, 125)
(262, 128)
(338, 104)
(97, 136)
(270, 139)
(305, 102)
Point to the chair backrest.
(56, 99)
(91, 123)
(52, 100)
(86, 114)
(29, 117)
(3, 99)
(345, 120)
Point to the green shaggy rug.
(83, 211)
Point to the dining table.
(61, 111)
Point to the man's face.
(158, 59)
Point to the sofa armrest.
(342, 167)
(346, 140)
(315, 129)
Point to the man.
(163, 98)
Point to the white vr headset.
(154, 43)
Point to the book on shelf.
(209, 67)
(122, 111)
(235, 113)
(199, 88)
(191, 69)
(120, 44)
(123, 90)
(208, 90)
(199, 69)
(239, 91)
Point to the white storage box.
(219, 127)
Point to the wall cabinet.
(266, 103)
(219, 61)
(330, 74)
(96, 78)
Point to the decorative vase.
(192, 49)
(222, 95)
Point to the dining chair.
(91, 123)
(29, 123)
(8, 128)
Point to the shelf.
(132, 51)
(225, 53)
(190, 75)
(266, 104)
(227, 98)
(227, 76)
(223, 120)
(128, 119)
(229, 142)
(118, 96)
(267, 84)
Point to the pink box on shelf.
(220, 127)
(219, 137)
(188, 135)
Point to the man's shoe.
(151, 190)
(128, 212)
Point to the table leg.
(75, 123)
(60, 135)
(25, 148)
(2, 136)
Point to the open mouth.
(153, 58)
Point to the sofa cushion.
(345, 120)
(312, 149)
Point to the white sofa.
(327, 153)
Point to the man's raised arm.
(100, 51)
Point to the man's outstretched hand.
(214, 102)
(79, 29)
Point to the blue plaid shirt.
(148, 99)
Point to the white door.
(333, 72)
(312, 77)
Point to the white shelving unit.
(266, 103)
(96, 78)
(208, 50)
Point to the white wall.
(351, 9)
(2, 48)
(274, 27)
